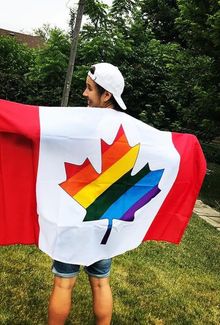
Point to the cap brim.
(120, 102)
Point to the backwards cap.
(110, 78)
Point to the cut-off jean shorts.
(100, 269)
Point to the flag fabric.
(86, 184)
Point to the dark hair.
(101, 91)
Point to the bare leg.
(60, 300)
(102, 300)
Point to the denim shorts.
(100, 269)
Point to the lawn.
(158, 283)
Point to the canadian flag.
(86, 184)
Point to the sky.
(26, 15)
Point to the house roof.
(30, 40)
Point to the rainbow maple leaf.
(114, 193)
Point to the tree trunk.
(69, 74)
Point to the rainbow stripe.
(113, 194)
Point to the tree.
(96, 13)
(198, 24)
(43, 32)
(69, 74)
(160, 16)
(47, 75)
(167, 85)
(168, 52)
(16, 61)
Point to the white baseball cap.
(110, 78)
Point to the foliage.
(168, 52)
(44, 32)
(160, 16)
(167, 84)
(199, 24)
(15, 61)
(212, 152)
(96, 12)
(48, 74)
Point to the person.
(104, 86)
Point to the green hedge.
(212, 152)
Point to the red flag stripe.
(18, 170)
(174, 214)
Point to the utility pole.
(69, 74)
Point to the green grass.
(158, 283)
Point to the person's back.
(104, 86)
